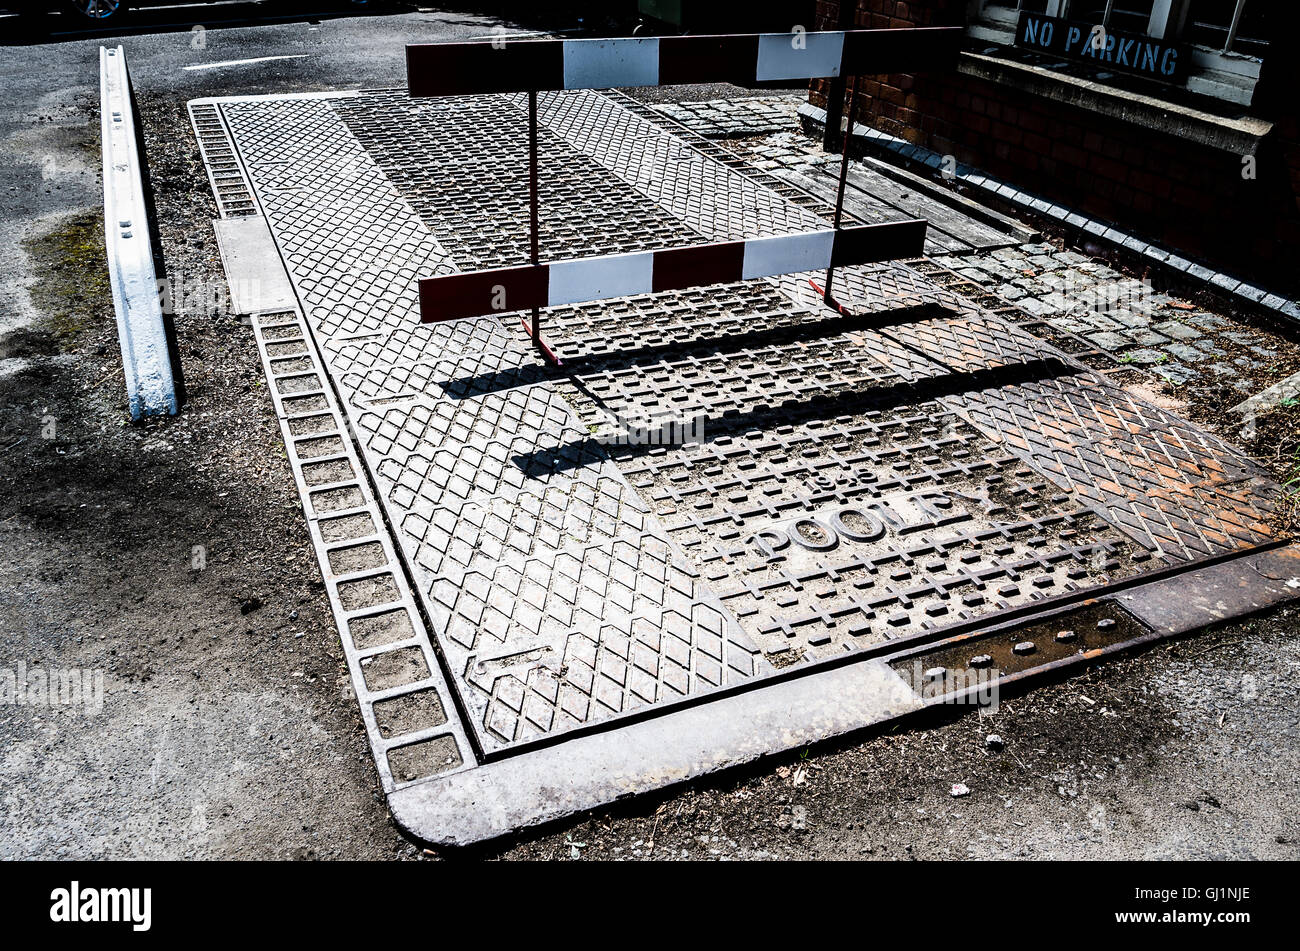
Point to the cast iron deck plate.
(540, 616)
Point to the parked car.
(91, 11)
(96, 11)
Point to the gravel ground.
(226, 730)
(174, 557)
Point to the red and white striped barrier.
(580, 280)
(502, 65)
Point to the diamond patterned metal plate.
(837, 480)
(555, 599)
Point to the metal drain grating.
(405, 701)
(553, 551)
(229, 187)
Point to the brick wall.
(1163, 188)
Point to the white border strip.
(582, 280)
(244, 62)
(607, 64)
(798, 55)
(587, 279)
(787, 254)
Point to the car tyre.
(98, 11)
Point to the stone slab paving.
(1120, 316)
(723, 118)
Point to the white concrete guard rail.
(146, 358)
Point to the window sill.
(1240, 136)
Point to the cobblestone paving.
(1121, 317)
(723, 119)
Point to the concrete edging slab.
(778, 715)
(587, 772)
(141, 329)
(256, 276)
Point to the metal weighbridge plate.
(735, 520)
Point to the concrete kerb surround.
(782, 714)
(529, 781)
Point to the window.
(996, 21)
(1227, 38)
(1228, 25)
(1130, 15)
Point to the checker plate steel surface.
(834, 482)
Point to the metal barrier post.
(533, 226)
(844, 177)
(835, 94)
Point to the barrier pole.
(835, 95)
(533, 227)
(844, 176)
